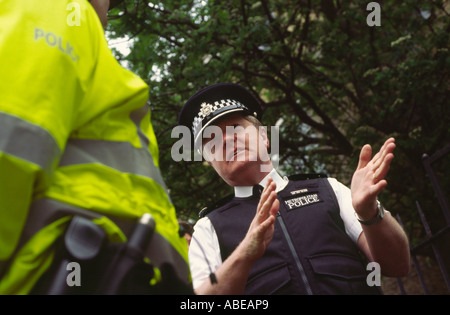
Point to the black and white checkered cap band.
(207, 109)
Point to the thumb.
(364, 156)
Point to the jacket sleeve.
(46, 70)
(27, 155)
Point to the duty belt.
(45, 211)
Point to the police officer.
(279, 235)
(75, 139)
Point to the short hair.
(185, 227)
(255, 121)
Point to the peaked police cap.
(214, 102)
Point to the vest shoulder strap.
(307, 176)
(221, 202)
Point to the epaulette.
(215, 205)
(307, 176)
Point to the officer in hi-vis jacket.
(78, 154)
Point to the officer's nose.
(229, 139)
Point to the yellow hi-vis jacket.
(74, 129)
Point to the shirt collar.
(247, 191)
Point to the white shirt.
(204, 250)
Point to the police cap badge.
(214, 102)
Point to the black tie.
(257, 190)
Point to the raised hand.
(261, 229)
(369, 178)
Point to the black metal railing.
(431, 238)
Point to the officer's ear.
(263, 134)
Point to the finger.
(264, 226)
(388, 149)
(385, 149)
(270, 220)
(378, 187)
(263, 212)
(270, 186)
(381, 166)
(266, 191)
(269, 181)
(275, 208)
(381, 172)
(364, 156)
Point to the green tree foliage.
(329, 80)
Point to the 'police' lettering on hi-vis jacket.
(305, 200)
(53, 40)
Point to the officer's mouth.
(236, 154)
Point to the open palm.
(369, 178)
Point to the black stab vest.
(310, 252)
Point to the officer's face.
(238, 151)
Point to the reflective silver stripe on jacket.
(121, 156)
(35, 144)
(28, 141)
